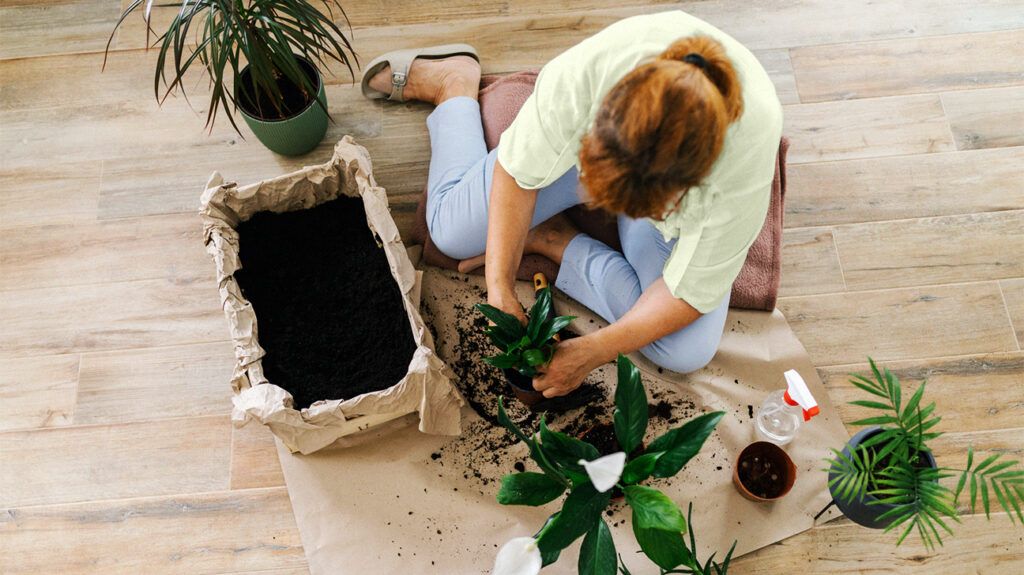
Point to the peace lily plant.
(572, 465)
(524, 348)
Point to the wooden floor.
(904, 240)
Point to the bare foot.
(435, 81)
(548, 239)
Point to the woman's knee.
(681, 357)
(458, 241)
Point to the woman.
(661, 119)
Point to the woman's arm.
(656, 314)
(508, 221)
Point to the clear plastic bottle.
(784, 410)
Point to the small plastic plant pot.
(867, 511)
(763, 472)
(522, 387)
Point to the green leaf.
(539, 313)
(506, 324)
(534, 357)
(565, 450)
(557, 324)
(640, 468)
(652, 509)
(512, 427)
(630, 406)
(582, 508)
(682, 443)
(503, 361)
(529, 489)
(597, 554)
(665, 548)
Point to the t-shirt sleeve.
(543, 141)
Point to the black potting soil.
(762, 478)
(294, 97)
(329, 313)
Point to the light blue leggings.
(607, 281)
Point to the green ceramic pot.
(296, 134)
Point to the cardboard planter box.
(426, 388)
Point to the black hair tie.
(696, 59)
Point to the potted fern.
(261, 57)
(571, 465)
(524, 348)
(887, 478)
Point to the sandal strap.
(398, 82)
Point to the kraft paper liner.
(426, 389)
(378, 507)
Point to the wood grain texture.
(986, 118)
(810, 263)
(254, 460)
(80, 254)
(250, 531)
(904, 187)
(780, 69)
(64, 193)
(155, 383)
(58, 26)
(845, 548)
(121, 315)
(971, 393)
(71, 464)
(1013, 297)
(38, 392)
(901, 324)
(866, 128)
(928, 251)
(909, 66)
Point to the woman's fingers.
(468, 265)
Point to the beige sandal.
(401, 60)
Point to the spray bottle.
(784, 410)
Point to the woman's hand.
(573, 361)
(506, 301)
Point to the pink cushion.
(757, 285)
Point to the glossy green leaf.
(534, 357)
(581, 510)
(640, 468)
(597, 554)
(652, 509)
(665, 548)
(681, 444)
(529, 488)
(539, 314)
(630, 406)
(565, 450)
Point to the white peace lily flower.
(605, 471)
(520, 556)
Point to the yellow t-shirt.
(717, 221)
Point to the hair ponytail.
(660, 129)
(707, 55)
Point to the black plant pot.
(865, 511)
(522, 386)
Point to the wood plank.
(59, 194)
(902, 323)
(250, 531)
(866, 128)
(71, 464)
(904, 187)
(909, 66)
(842, 547)
(986, 118)
(254, 460)
(55, 26)
(927, 251)
(1013, 297)
(121, 315)
(952, 447)
(810, 263)
(156, 383)
(780, 68)
(38, 392)
(87, 253)
(971, 393)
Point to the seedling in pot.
(568, 464)
(886, 477)
(524, 348)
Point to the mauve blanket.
(757, 285)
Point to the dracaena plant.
(888, 466)
(568, 464)
(223, 36)
(524, 348)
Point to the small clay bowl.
(763, 472)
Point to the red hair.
(660, 129)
